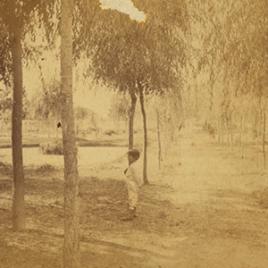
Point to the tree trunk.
(131, 120)
(145, 139)
(17, 111)
(181, 110)
(159, 139)
(231, 130)
(196, 104)
(220, 130)
(242, 145)
(264, 138)
(71, 198)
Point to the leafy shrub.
(46, 168)
(54, 147)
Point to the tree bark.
(17, 112)
(71, 177)
(181, 109)
(264, 139)
(131, 120)
(159, 139)
(220, 130)
(231, 130)
(145, 137)
(242, 145)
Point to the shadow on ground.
(103, 204)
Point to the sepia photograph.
(133, 134)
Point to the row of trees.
(18, 18)
(209, 58)
(227, 69)
(136, 58)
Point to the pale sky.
(124, 6)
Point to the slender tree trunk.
(242, 145)
(220, 130)
(196, 104)
(264, 139)
(17, 111)
(211, 97)
(131, 120)
(77, 129)
(71, 198)
(231, 131)
(159, 139)
(145, 139)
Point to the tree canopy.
(125, 53)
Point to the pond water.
(87, 156)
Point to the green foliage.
(5, 100)
(54, 147)
(47, 104)
(30, 17)
(128, 55)
(6, 103)
(5, 57)
(120, 108)
(227, 64)
(81, 113)
(238, 45)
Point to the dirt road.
(227, 225)
(201, 211)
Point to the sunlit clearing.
(124, 6)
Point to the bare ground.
(204, 209)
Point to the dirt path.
(201, 211)
(225, 224)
